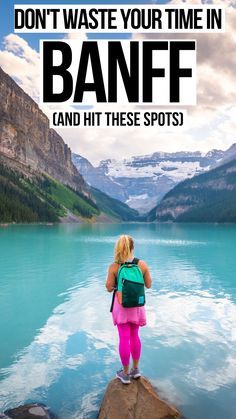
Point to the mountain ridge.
(142, 181)
(36, 167)
(208, 197)
(35, 162)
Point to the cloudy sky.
(210, 124)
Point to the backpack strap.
(113, 296)
(135, 261)
(113, 299)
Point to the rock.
(25, 137)
(29, 411)
(137, 400)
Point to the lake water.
(58, 343)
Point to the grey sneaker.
(124, 378)
(134, 373)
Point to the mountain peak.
(142, 181)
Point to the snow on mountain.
(175, 170)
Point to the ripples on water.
(189, 350)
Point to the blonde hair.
(123, 248)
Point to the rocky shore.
(138, 400)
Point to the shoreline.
(50, 224)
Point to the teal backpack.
(130, 285)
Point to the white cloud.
(21, 62)
(73, 35)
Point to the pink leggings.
(129, 342)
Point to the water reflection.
(42, 362)
(80, 332)
(189, 349)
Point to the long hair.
(123, 248)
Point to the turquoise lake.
(58, 343)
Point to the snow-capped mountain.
(141, 181)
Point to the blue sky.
(7, 17)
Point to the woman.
(127, 320)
